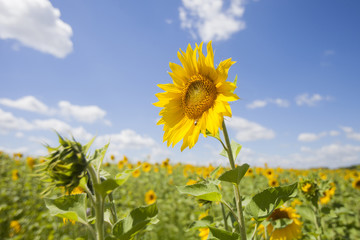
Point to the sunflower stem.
(99, 204)
(224, 216)
(236, 186)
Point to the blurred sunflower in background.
(150, 197)
(356, 183)
(197, 100)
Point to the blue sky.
(91, 68)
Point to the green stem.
(231, 210)
(317, 222)
(99, 204)
(236, 187)
(254, 233)
(224, 216)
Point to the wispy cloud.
(87, 114)
(310, 100)
(311, 137)
(351, 134)
(249, 131)
(209, 20)
(36, 24)
(263, 103)
(329, 52)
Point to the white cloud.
(208, 20)
(350, 133)
(36, 24)
(63, 128)
(28, 103)
(9, 122)
(19, 134)
(249, 131)
(263, 103)
(310, 137)
(14, 150)
(126, 139)
(88, 114)
(169, 21)
(333, 155)
(306, 99)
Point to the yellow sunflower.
(15, 174)
(150, 197)
(356, 184)
(289, 232)
(197, 100)
(136, 173)
(273, 182)
(204, 233)
(146, 167)
(15, 228)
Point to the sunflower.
(15, 228)
(146, 167)
(289, 232)
(204, 233)
(197, 100)
(273, 182)
(15, 175)
(136, 173)
(356, 184)
(30, 162)
(150, 197)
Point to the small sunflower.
(15, 175)
(121, 164)
(289, 232)
(146, 167)
(112, 157)
(273, 182)
(356, 184)
(15, 228)
(150, 197)
(136, 173)
(204, 233)
(30, 162)
(269, 173)
(197, 100)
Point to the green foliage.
(71, 207)
(264, 203)
(204, 191)
(234, 175)
(136, 221)
(235, 147)
(221, 234)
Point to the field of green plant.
(334, 215)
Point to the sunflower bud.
(65, 165)
(310, 190)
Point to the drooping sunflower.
(197, 100)
(289, 232)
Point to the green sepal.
(281, 223)
(72, 207)
(264, 203)
(235, 175)
(99, 155)
(203, 191)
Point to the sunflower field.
(24, 215)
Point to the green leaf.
(122, 177)
(306, 212)
(213, 173)
(72, 207)
(223, 235)
(87, 146)
(217, 136)
(137, 220)
(264, 203)
(106, 187)
(234, 175)
(235, 148)
(99, 155)
(203, 223)
(281, 223)
(204, 191)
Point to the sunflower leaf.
(235, 175)
(264, 203)
(99, 155)
(204, 191)
(137, 220)
(71, 207)
(235, 147)
(222, 234)
(203, 223)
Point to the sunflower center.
(279, 214)
(198, 96)
(357, 184)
